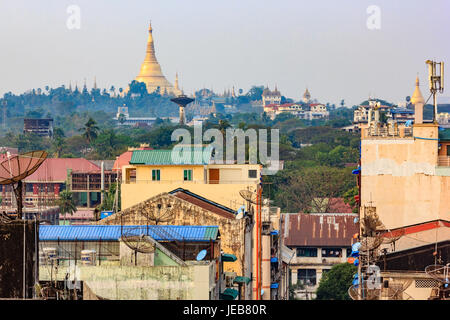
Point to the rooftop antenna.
(435, 82)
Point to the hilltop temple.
(151, 73)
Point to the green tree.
(66, 203)
(109, 198)
(58, 141)
(90, 130)
(335, 283)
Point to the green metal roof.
(186, 156)
(229, 294)
(228, 257)
(240, 279)
(444, 134)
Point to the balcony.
(443, 161)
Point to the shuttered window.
(156, 175)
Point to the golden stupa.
(151, 73)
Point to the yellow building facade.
(219, 183)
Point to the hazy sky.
(324, 45)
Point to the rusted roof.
(319, 229)
(203, 203)
(55, 169)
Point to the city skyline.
(326, 47)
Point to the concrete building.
(182, 207)
(151, 172)
(41, 127)
(271, 97)
(405, 178)
(107, 258)
(42, 189)
(301, 110)
(320, 240)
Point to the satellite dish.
(248, 195)
(14, 169)
(201, 255)
(18, 167)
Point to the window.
(349, 252)
(332, 252)
(306, 252)
(252, 173)
(156, 175)
(29, 187)
(306, 276)
(448, 150)
(187, 175)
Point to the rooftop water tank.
(88, 257)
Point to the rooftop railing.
(200, 181)
(444, 161)
(388, 130)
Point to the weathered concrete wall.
(12, 259)
(144, 283)
(400, 178)
(184, 213)
(129, 257)
(224, 194)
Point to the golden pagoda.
(151, 73)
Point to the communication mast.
(435, 82)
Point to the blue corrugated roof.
(111, 233)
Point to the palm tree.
(90, 130)
(66, 203)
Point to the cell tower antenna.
(435, 82)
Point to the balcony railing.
(444, 161)
(388, 131)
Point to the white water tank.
(48, 255)
(88, 257)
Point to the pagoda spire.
(176, 81)
(417, 96)
(150, 72)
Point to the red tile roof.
(287, 104)
(124, 158)
(319, 229)
(337, 205)
(55, 169)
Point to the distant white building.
(271, 97)
(123, 118)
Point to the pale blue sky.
(324, 45)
